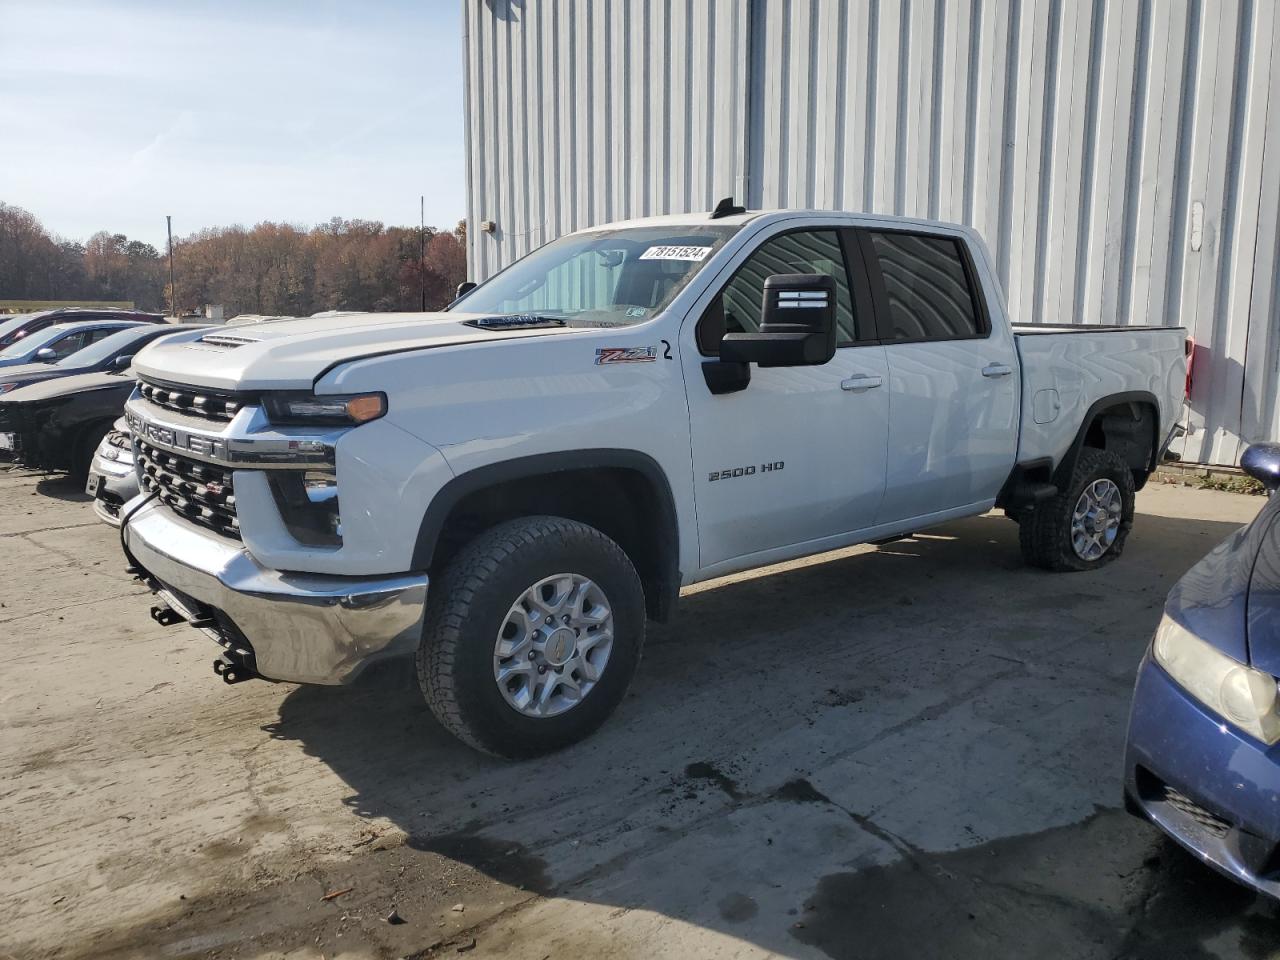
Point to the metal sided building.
(1122, 157)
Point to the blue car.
(1203, 755)
(113, 352)
(59, 341)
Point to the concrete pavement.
(911, 750)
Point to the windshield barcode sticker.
(692, 254)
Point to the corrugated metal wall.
(1122, 157)
(581, 112)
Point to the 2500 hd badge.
(745, 471)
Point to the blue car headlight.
(1231, 689)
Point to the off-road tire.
(1045, 533)
(464, 614)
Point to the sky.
(117, 112)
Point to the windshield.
(20, 348)
(12, 324)
(104, 348)
(605, 278)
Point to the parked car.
(59, 341)
(512, 487)
(115, 350)
(58, 424)
(1203, 755)
(112, 480)
(22, 325)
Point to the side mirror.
(797, 324)
(45, 355)
(465, 287)
(1262, 462)
(122, 362)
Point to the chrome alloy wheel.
(1096, 519)
(553, 645)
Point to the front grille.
(1211, 822)
(201, 492)
(194, 401)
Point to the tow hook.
(165, 617)
(232, 672)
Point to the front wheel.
(1085, 526)
(533, 634)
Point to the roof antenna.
(726, 208)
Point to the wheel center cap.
(1100, 521)
(559, 646)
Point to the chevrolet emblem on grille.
(175, 439)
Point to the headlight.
(339, 410)
(1234, 691)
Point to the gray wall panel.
(1122, 157)
(584, 111)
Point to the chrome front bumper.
(119, 484)
(304, 628)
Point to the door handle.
(861, 381)
(994, 370)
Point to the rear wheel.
(532, 637)
(1085, 526)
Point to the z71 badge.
(626, 355)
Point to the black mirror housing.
(797, 324)
(1262, 462)
(465, 287)
(122, 362)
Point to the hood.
(21, 370)
(65, 386)
(1212, 599)
(1264, 593)
(33, 372)
(293, 354)
(11, 363)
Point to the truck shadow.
(61, 486)
(757, 780)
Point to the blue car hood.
(1264, 593)
(1213, 599)
(13, 361)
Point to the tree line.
(271, 268)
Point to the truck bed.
(1034, 329)
(1067, 369)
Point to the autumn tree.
(270, 268)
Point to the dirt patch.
(703, 770)
(501, 860)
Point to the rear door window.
(926, 290)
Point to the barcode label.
(693, 254)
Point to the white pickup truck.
(511, 488)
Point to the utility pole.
(422, 248)
(173, 290)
